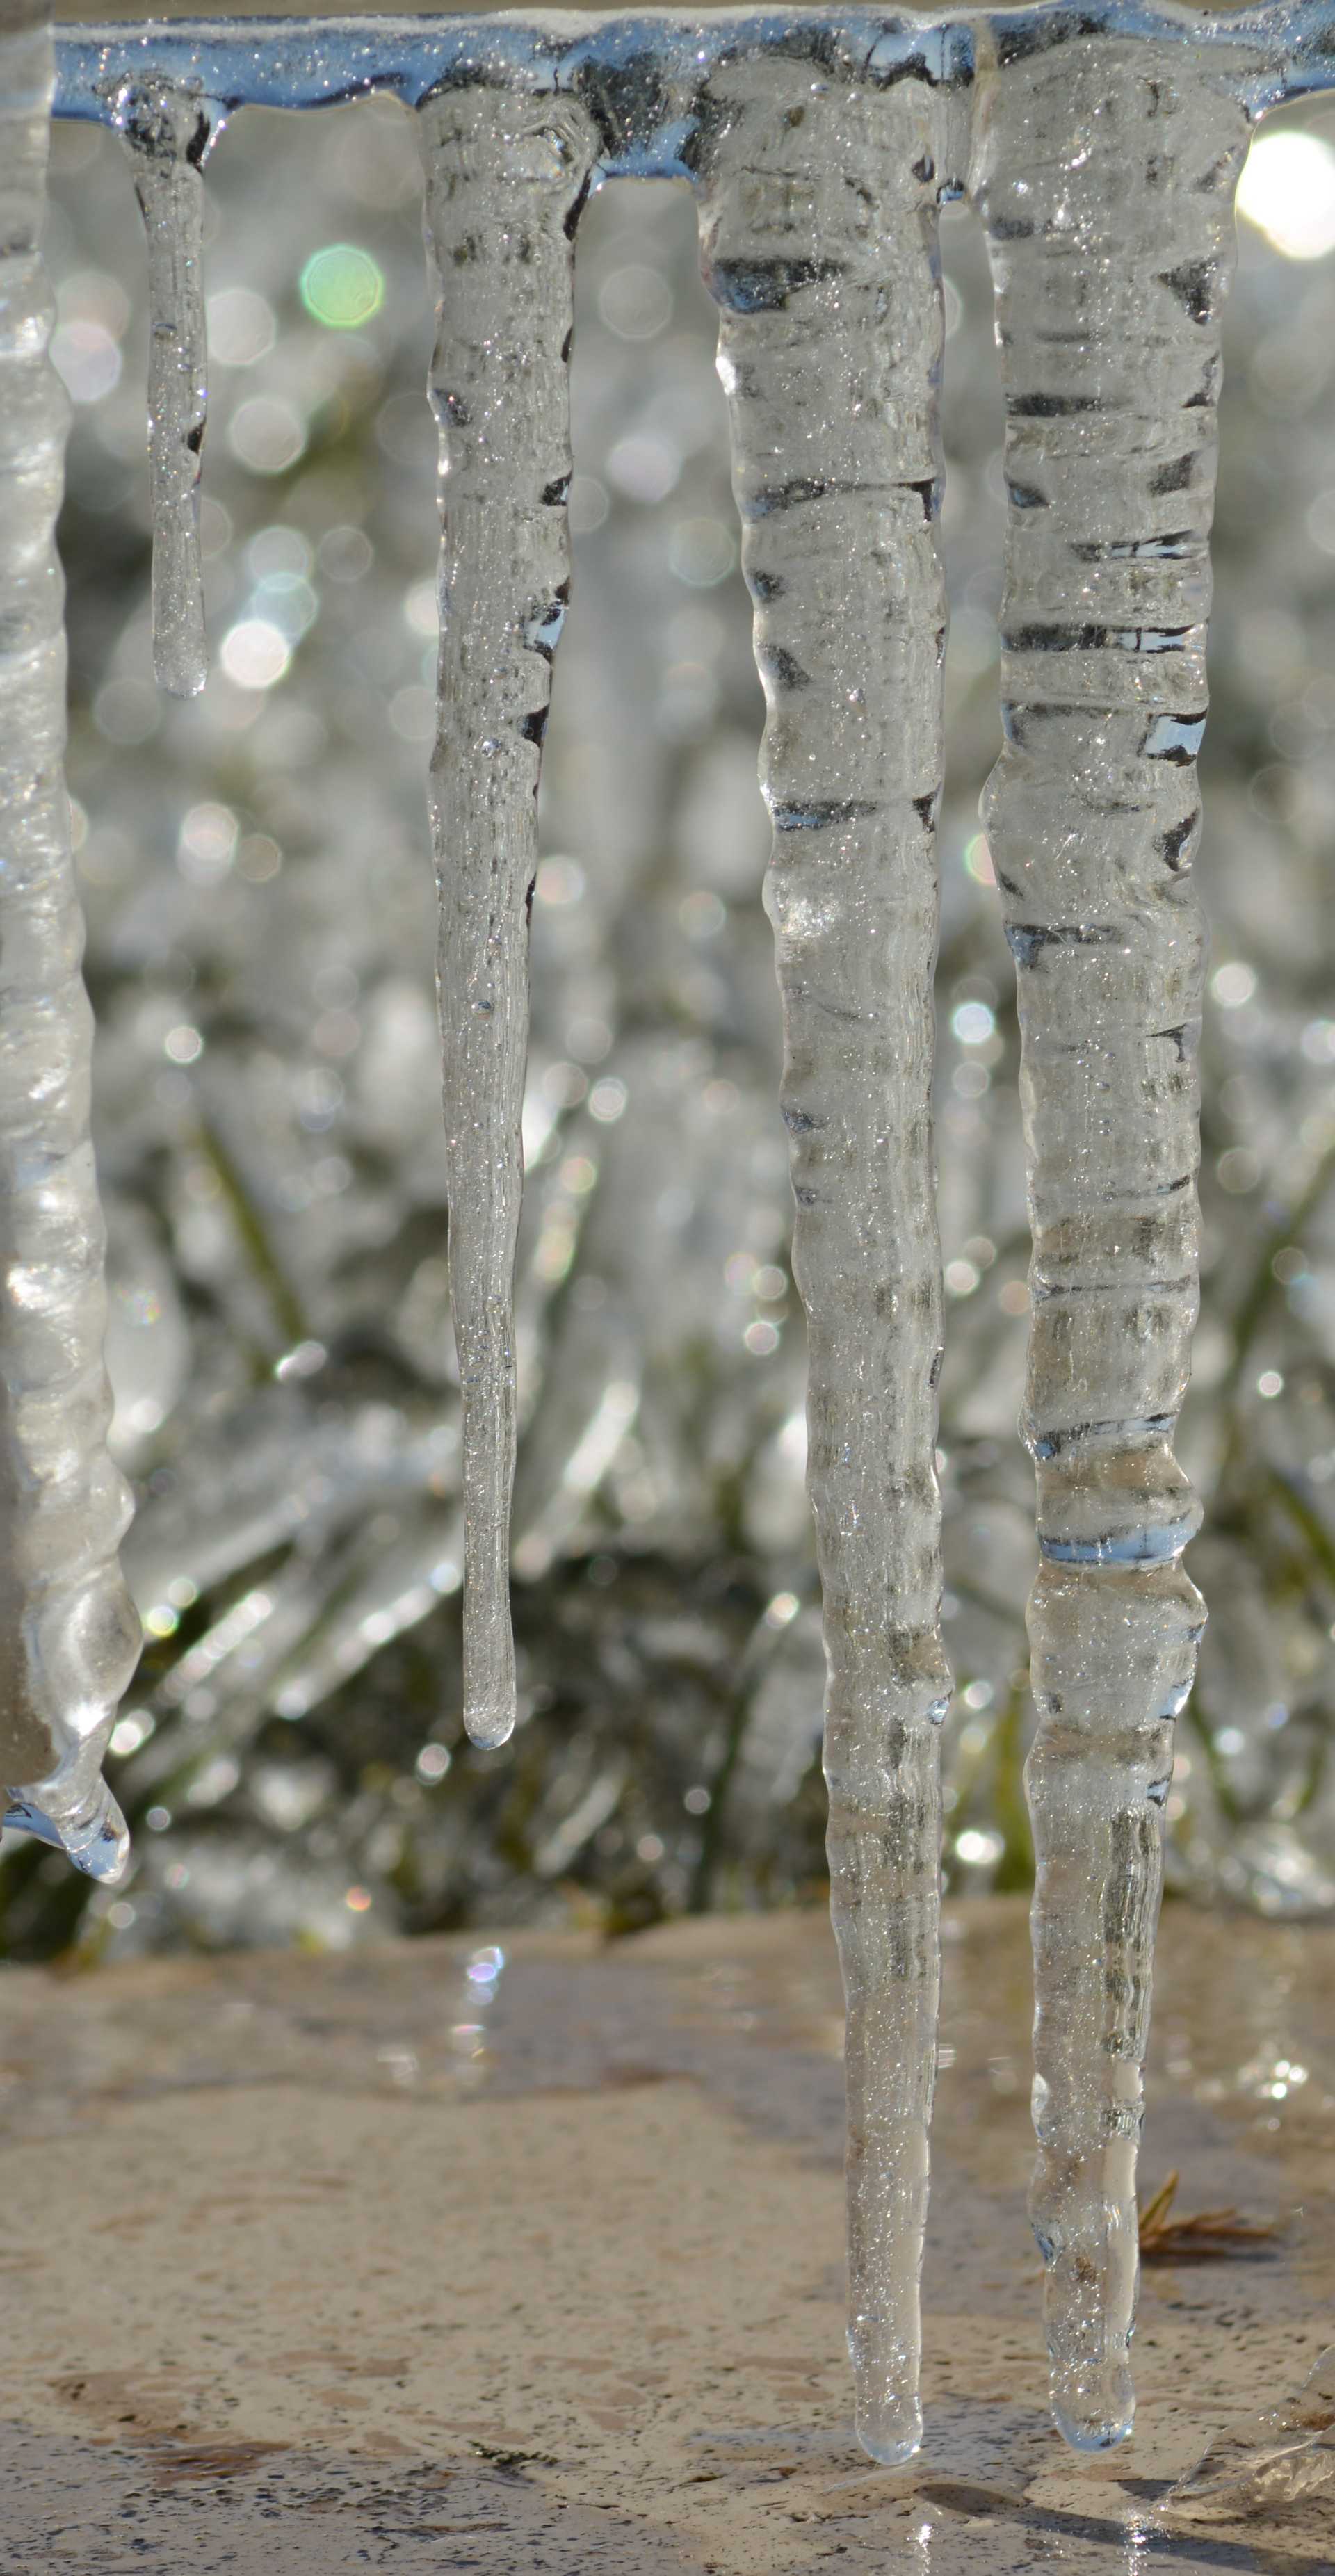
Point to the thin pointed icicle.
(506, 178)
(1106, 185)
(69, 1633)
(818, 215)
(169, 133)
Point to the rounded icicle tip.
(489, 1724)
(887, 2413)
(184, 673)
(891, 2442)
(1098, 2431)
(490, 1696)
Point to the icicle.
(1106, 186)
(69, 1634)
(169, 133)
(506, 178)
(818, 213)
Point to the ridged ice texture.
(168, 134)
(1106, 182)
(506, 178)
(819, 240)
(69, 1634)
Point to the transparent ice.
(168, 133)
(1106, 181)
(818, 216)
(1100, 152)
(506, 177)
(1273, 2460)
(69, 1634)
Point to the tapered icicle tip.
(96, 1840)
(886, 2413)
(180, 655)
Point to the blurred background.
(258, 888)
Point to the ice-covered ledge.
(556, 2277)
(646, 65)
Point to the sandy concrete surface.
(410, 2259)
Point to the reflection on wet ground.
(528, 2253)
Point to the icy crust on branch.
(506, 176)
(168, 134)
(69, 1633)
(1105, 179)
(818, 217)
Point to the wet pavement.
(527, 2254)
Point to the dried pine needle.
(1200, 2238)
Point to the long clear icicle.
(169, 133)
(69, 1633)
(818, 213)
(506, 178)
(1106, 181)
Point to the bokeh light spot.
(342, 286)
(242, 327)
(1287, 191)
(1233, 985)
(254, 653)
(635, 302)
(86, 358)
(266, 434)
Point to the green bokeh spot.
(342, 286)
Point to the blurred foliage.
(260, 955)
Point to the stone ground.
(325, 2263)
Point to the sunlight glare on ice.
(1287, 190)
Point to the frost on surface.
(168, 133)
(1105, 180)
(818, 215)
(1275, 2459)
(69, 1634)
(506, 177)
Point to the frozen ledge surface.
(644, 66)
